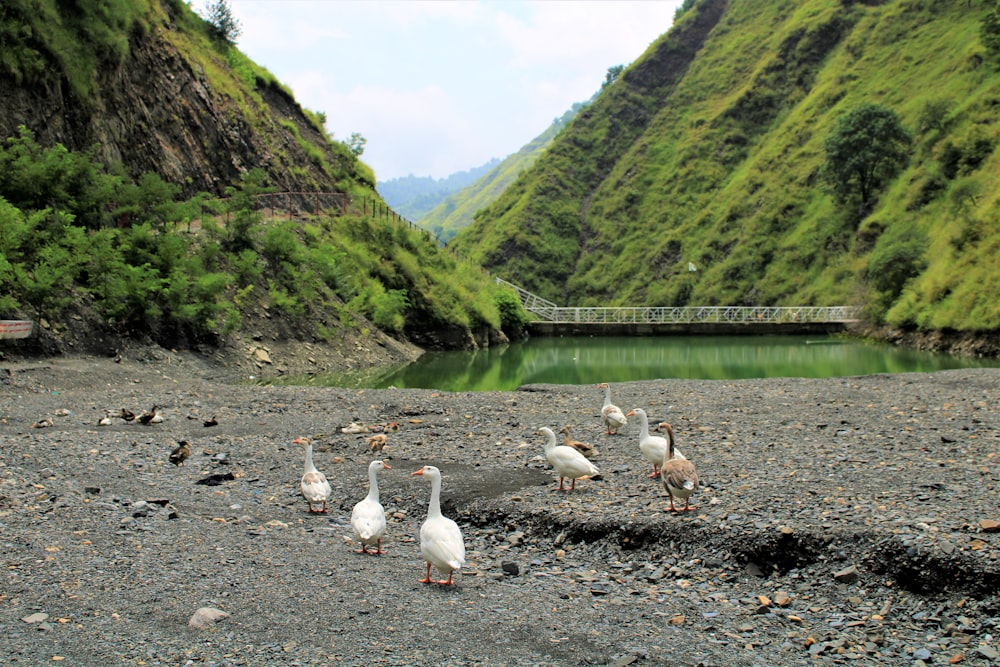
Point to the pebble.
(809, 561)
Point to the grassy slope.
(724, 173)
(370, 256)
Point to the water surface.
(591, 359)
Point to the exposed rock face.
(157, 112)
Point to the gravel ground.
(839, 521)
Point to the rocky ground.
(845, 520)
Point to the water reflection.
(586, 360)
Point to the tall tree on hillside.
(865, 150)
(221, 17)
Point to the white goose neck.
(643, 424)
(373, 483)
(434, 507)
(310, 466)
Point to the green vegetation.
(84, 234)
(866, 148)
(719, 148)
(413, 197)
(226, 26)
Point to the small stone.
(848, 575)
(989, 526)
(782, 599)
(206, 616)
(988, 652)
(922, 654)
(37, 617)
(511, 568)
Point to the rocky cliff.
(170, 103)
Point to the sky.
(438, 87)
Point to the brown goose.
(679, 477)
(584, 448)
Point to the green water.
(590, 360)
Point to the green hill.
(458, 210)
(141, 157)
(711, 152)
(413, 197)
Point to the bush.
(893, 263)
(513, 318)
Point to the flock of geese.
(441, 542)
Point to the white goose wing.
(654, 448)
(570, 463)
(368, 520)
(613, 415)
(315, 487)
(441, 543)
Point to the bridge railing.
(697, 314)
(549, 312)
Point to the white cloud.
(438, 87)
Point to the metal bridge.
(546, 311)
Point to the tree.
(612, 75)
(865, 150)
(220, 16)
(356, 144)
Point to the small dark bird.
(211, 422)
(150, 416)
(127, 415)
(180, 453)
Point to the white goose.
(611, 414)
(441, 542)
(653, 447)
(568, 462)
(315, 488)
(368, 517)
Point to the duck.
(584, 448)
(368, 516)
(210, 422)
(106, 419)
(611, 414)
(441, 541)
(568, 462)
(315, 487)
(151, 416)
(376, 443)
(127, 415)
(679, 477)
(44, 422)
(355, 427)
(653, 447)
(181, 453)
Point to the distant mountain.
(414, 196)
(457, 210)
